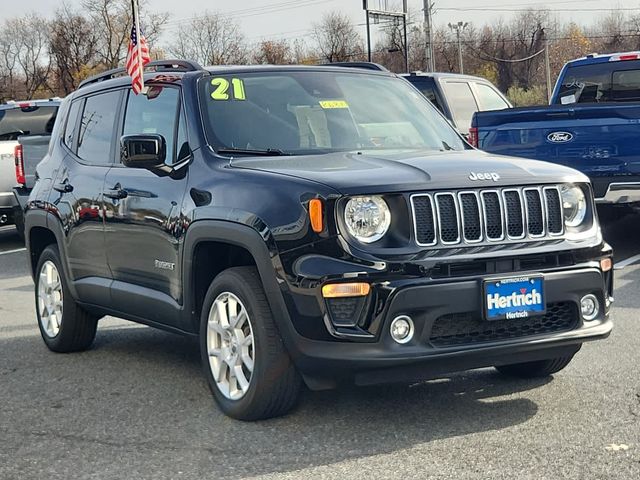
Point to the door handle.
(63, 187)
(117, 193)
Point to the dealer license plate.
(514, 298)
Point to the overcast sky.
(275, 19)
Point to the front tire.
(65, 327)
(542, 368)
(246, 364)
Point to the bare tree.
(31, 51)
(8, 62)
(211, 39)
(273, 52)
(112, 20)
(337, 39)
(73, 48)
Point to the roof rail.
(156, 65)
(364, 65)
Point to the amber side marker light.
(341, 290)
(315, 215)
(606, 264)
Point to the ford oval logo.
(560, 137)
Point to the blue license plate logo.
(514, 298)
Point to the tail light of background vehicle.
(473, 136)
(19, 161)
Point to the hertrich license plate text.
(513, 298)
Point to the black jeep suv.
(310, 224)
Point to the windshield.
(296, 112)
(32, 120)
(600, 82)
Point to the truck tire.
(65, 327)
(541, 368)
(245, 361)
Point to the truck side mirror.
(143, 151)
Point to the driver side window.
(154, 113)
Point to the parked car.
(458, 97)
(30, 150)
(592, 125)
(19, 119)
(310, 224)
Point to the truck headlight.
(574, 205)
(367, 218)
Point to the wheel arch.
(237, 239)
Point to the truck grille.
(469, 328)
(487, 216)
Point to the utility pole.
(428, 35)
(547, 63)
(459, 28)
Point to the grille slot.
(469, 328)
(555, 216)
(448, 218)
(424, 220)
(515, 213)
(487, 216)
(535, 215)
(471, 220)
(492, 215)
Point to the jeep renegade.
(309, 224)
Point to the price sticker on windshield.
(333, 104)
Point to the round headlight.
(574, 205)
(367, 218)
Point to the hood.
(355, 173)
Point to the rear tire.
(65, 327)
(542, 368)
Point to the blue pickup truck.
(592, 124)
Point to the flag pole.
(136, 21)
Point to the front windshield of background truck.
(305, 112)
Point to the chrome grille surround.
(491, 204)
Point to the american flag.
(137, 58)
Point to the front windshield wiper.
(269, 152)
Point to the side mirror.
(143, 151)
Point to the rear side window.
(462, 103)
(28, 120)
(489, 99)
(156, 113)
(600, 82)
(95, 137)
(72, 122)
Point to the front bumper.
(378, 359)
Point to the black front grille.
(470, 328)
(534, 212)
(496, 216)
(425, 226)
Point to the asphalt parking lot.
(136, 406)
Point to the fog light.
(589, 307)
(402, 329)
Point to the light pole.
(459, 28)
